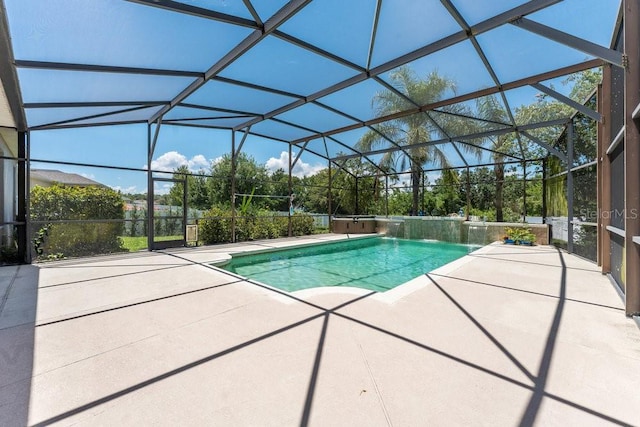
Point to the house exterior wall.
(35, 181)
(8, 191)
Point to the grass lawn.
(133, 244)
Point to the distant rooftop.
(52, 176)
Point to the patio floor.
(507, 336)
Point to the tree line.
(357, 188)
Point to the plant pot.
(509, 242)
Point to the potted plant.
(519, 236)
(512, 236)
(527, 237)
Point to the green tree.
(513, 197)
(400, 201)
(280, 188)
(356, 188)
(483, 188)
(586, 136)
(197, 191)
(250, 177)
(409, 131)
(584, 84)
(177, 190)
(534, 195)
(313, 192)
(492, 111)
(448, 193)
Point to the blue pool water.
(378, 264)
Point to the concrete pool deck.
(510, 336)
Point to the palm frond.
(412, 131)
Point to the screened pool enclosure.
(343, 105)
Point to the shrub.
(9, 255)
(136, 215)
(60, 203)
(172, 224)
(215, 226)
(282, 226)
(301, 224)
(244, 228)
(266, 226)
(159, 226)
(520, 234)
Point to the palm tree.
(410, 130)
(491, 110)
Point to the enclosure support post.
(544, 190)
(423, 176)
(233, 186)
(466, 217)
(357, 212)
(524, 191)
(290, 190)
(149, 192)
(28, 247)
(604, 171)
(570, 187)
(151, 148)
(185, 208)
(632, 156)
(21, 214)
(386, 195)
(329, 208)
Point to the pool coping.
(226, 257)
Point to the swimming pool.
(377, 264)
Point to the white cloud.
(88, 175)
(432, 177)
(163, 189)
(127, 190)
(169, 161)
(159, 189)
(172, 160)
(300, 169)
(198, 162)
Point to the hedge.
(61, 203)
(215, 226)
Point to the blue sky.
(117, 32)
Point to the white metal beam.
(487, 25)
(568, 101)
(609, 55)
(478, 135)
(304, 146)
(9, 76)
(200, 12)
(279, 18)
(559, 154)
